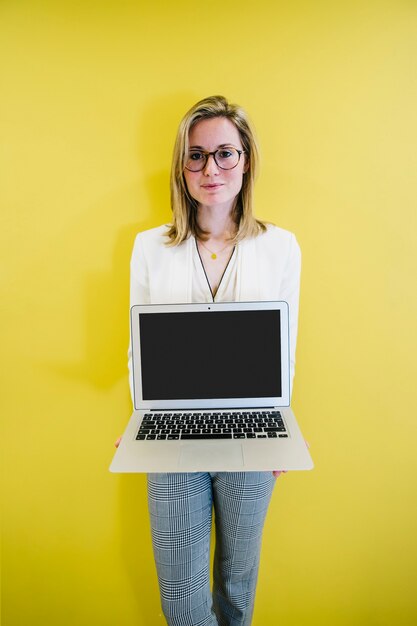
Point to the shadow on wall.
(106, 315)
(136, 548)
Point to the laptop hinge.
(213, 408)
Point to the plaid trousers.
(180, 507)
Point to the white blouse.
(200, 286)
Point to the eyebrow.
(222, 145)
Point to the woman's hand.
(117, 442)
(277, 473)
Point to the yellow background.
(91, 96)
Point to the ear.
(246, 166)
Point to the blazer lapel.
(248, 271)
(180, 273)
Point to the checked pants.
(180, 507)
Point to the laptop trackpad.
(210, 456)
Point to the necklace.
(214, 255)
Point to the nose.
(210, 166)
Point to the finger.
(117, 442)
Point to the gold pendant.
(214, 256)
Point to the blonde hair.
(184, 207)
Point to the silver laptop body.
(211, 387)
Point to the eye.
(225, 153)
(196, 156)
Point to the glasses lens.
(195, 161)
(227, 158)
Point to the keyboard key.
(204, 436)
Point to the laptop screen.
(216, 354)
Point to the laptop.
(211, 387)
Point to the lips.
(213, 186)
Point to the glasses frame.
(213, 154)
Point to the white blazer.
(268, 268)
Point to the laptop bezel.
(210, 403)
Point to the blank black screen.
(213, 354)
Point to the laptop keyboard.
(212, 425)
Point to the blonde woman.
(214, 250)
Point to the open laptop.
(211, 387)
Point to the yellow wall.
(92, 93)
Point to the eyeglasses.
(225, 158)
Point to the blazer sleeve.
(139, 291)
(290, 292)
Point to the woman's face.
(214, 186)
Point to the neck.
(217, 221)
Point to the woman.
(214, 250)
